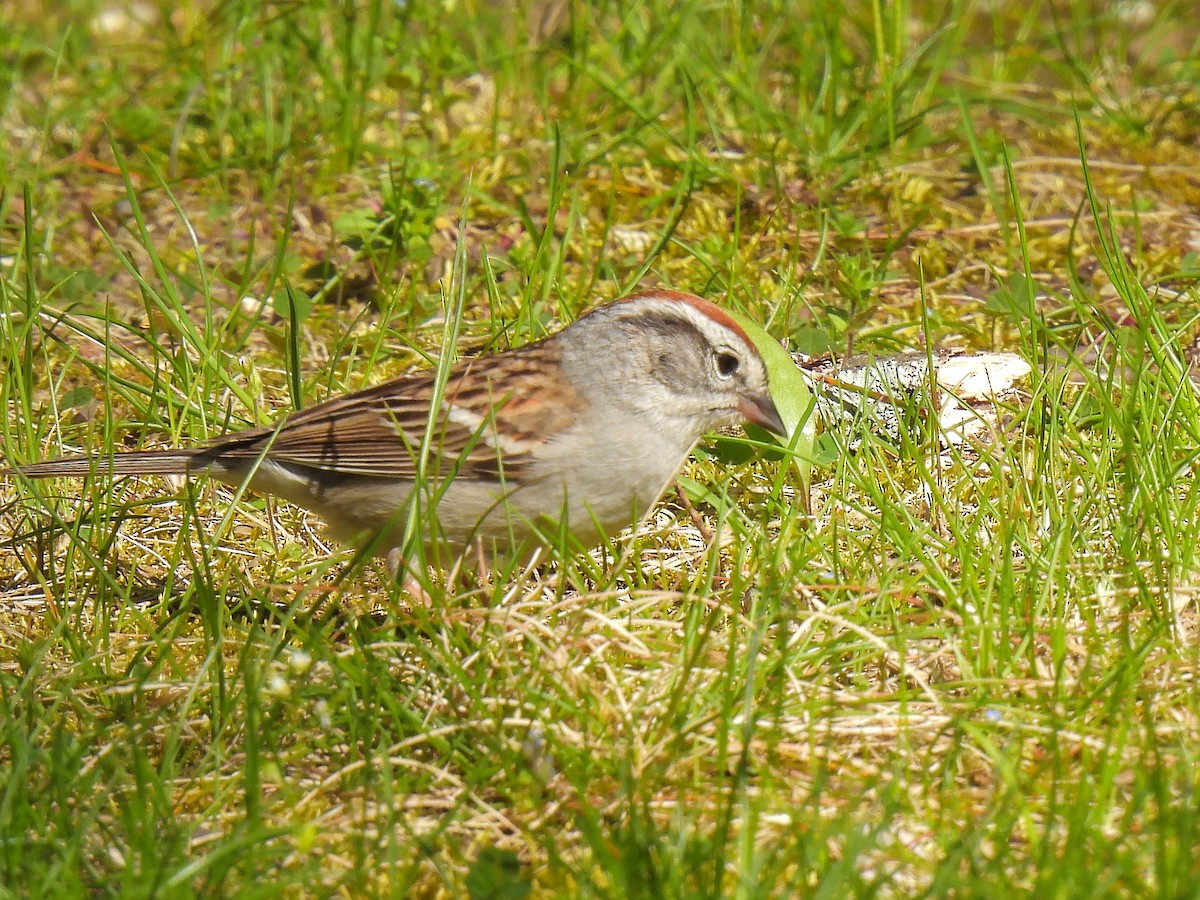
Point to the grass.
(970, 674)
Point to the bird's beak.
(759, 409)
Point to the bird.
(578, 434)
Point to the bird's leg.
(694, 514)
(483, 569)
(414, 589)
(394, 560)
(410, 584)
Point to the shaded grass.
(971, 673)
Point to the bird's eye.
(727, 364)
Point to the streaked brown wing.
(378, 431)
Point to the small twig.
(697, 519)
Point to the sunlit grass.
(969, 671)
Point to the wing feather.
(495, 411)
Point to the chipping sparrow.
(580, 431)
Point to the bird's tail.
(136, 462)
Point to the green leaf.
(292, 304)
(789, 390)
(76, 397)
(359, 223)
(814, 341)
(497, 875)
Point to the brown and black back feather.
(378, 432)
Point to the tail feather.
(136, 462)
